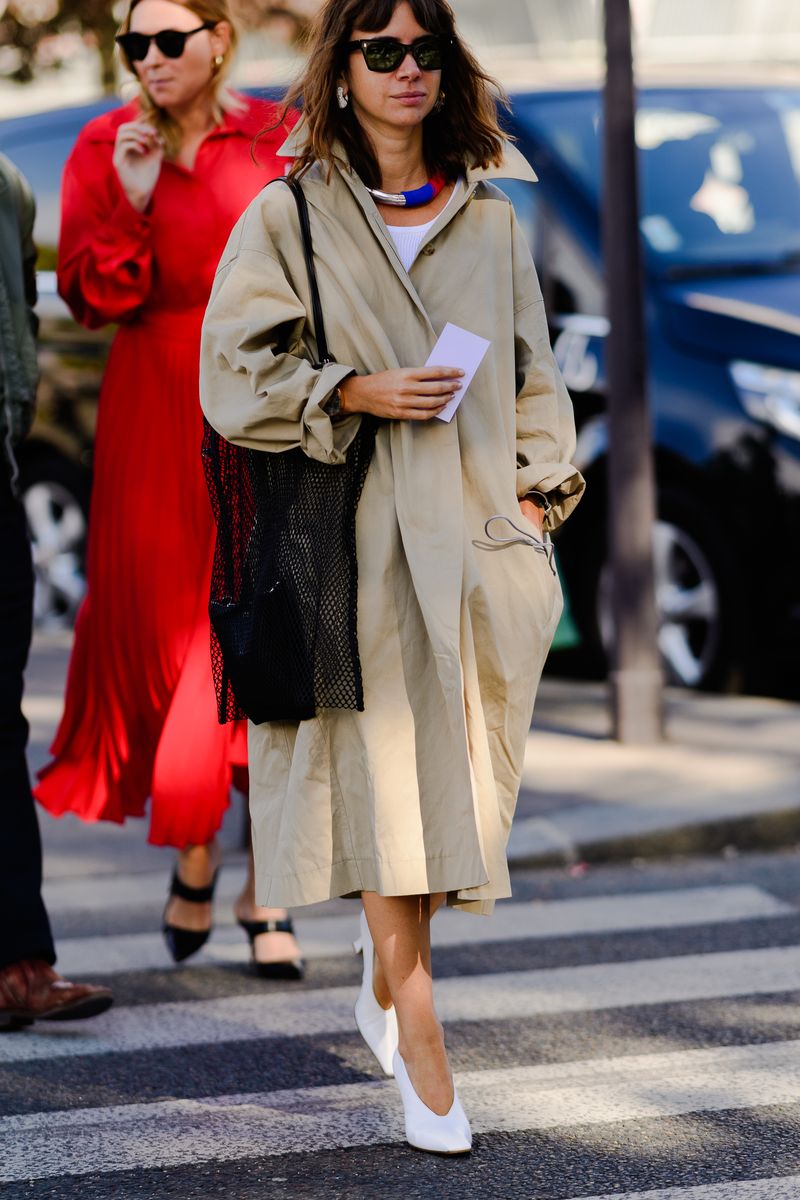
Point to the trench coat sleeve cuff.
(560, 482)
(321, 438)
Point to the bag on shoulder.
(285, 577)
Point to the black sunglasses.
(387, 53)
(171, 42)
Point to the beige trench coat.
(416, 794)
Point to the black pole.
(636, 681)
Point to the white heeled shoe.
(377, 1026)
(425, 1129)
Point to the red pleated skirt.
(140, 716)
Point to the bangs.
(374, 15)
(460, 133)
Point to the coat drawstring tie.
(541, 545)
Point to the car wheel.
(698, 608)
(55, 493)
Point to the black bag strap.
(323, 352)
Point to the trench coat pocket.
(502, 534)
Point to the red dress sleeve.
(105, 260)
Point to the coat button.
(428, 250)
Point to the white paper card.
(458, 348)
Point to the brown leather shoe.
(33, 991)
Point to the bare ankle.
(197, 864)
(427, 1041)
(245, 904)
(380, 987)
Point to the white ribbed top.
(409, 238)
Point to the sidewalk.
(727, 775)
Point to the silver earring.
(439, 105)
(342, 97)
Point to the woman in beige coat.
(408, 803)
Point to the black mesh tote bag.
(285, 577)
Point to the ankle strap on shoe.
(254, 928)
(195, 895)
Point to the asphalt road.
(622, 1031)
(615, 1031)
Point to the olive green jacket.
(18, 368)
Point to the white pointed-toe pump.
(425, 1129)
(377, 1026)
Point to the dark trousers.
(24, 927)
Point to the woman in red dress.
(151, 193)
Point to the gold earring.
(439, 105)
(219, 60)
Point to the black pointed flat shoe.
(290, 968)
(183, 943)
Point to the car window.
(720, 170)
(42, 163)
(40, 147)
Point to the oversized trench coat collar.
(513, 166)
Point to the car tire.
(701, 630)
(55, 493)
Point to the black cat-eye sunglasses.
(171, 42)
(387, 53)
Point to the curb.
(759, 831)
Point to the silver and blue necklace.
(413, 199)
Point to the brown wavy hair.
(222, 98)
(464, 132)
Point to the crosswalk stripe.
(784, 1187)
(225, 1128)
(324, 936)
(130, 890)
(126, 890)
(511, 995)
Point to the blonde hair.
(223, 99)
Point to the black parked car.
(55, 462)
(721, 224)
(721, 229)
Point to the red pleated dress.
(140, 717)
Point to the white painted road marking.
(226, 1128)
(325, 937)
(786, 1187)
(499, 997)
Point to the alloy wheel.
(688, 601)
(57, 526)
